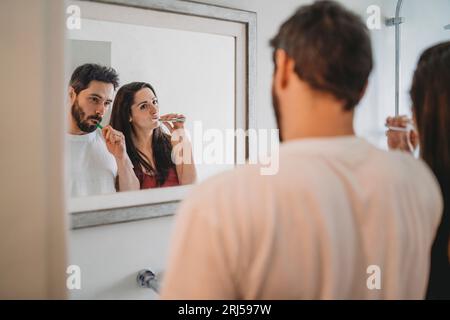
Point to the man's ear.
(72, 94)
(284, 69)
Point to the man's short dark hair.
(331, 49)
(88, 72)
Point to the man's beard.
(79, 115)
(276, 108)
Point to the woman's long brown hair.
(430, 95)
(161, 145)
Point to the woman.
(430, 95)
(136, 114)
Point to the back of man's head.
(331, 49)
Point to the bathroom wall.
(110, 257)
(423, 27)
(270, 15)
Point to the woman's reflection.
(136, 114)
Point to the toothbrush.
(409, 127)
(98, 125)
(399, 129)
(173, 120)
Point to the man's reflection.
(98, 159)
(136, 114)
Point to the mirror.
(185, 85)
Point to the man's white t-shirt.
(93, 169)
(341, 220)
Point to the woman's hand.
(401, 134)
(181, 148)
(173, 121)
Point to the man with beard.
(341, 219)
(99, 163)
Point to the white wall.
(111, 256)
(32, 219)
(270, 15)
(423, 27)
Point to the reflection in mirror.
(141, 99)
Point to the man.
(340, 220)
(98, 158)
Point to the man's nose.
(100, 111)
